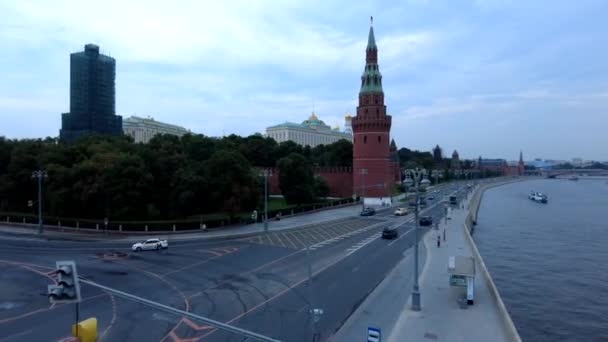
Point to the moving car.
(390, 233)
(422, 203)
(430, 198)
(453, 200)
(368, 212)
(150, 244)
(401, 211)
(425, 221)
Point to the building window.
(365, 139)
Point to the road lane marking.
(402, 235)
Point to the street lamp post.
(363, 172)
(39, 175)
(265, 173)
(417, 178)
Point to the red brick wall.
(339, 179)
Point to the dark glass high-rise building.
(92, 96)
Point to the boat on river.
(538, 197)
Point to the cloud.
(239, 66)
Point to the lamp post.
(418, 179)
(39, 174)
(363, 172)
(265, 173)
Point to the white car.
(150, 244)
(401, 211)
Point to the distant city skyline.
(487, 78)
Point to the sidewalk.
(441, 317)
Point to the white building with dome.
(311, 132)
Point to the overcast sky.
(485, 77)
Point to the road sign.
(373, 334)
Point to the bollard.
(77, 225)
(174, 228)
(97, 226)
(24, 220)
(7, 220)
(291, 212)
(443, 234)
(146, 227)
(120, 227)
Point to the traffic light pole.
(77, 317)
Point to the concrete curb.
(506, 317)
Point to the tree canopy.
(167, 178)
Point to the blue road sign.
(373, 334)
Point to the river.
(549, 261)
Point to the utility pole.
(418, 178)
(265, 173)
(315, 314)
(39, 175)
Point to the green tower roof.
(371, 40)
(371, 80)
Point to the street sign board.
(373, 334)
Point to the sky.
(484, 77)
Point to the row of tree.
(170, 177)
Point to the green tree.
(233, 185)
(296, 179)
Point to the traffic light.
(67, 289)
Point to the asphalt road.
(258, 283)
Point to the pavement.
(256, 282)
(441, 318)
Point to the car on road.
(430, 198)
(368, 211)
(423, 203)
(390, 233)
(150, 244)
(425, 221)
(412, 204)
(401, 211)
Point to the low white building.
(144, 129)
(311, 132)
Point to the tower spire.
(371, 40)
(521, 156)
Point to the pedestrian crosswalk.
(317, 235)
(342, 237)
(363, 243)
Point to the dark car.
(412, 204)
(390, 233)
(368, 212)
(422, 203)
(425, 221)
(430, 198)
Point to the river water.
(549, 261)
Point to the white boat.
(573, 178)
(538, 197)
